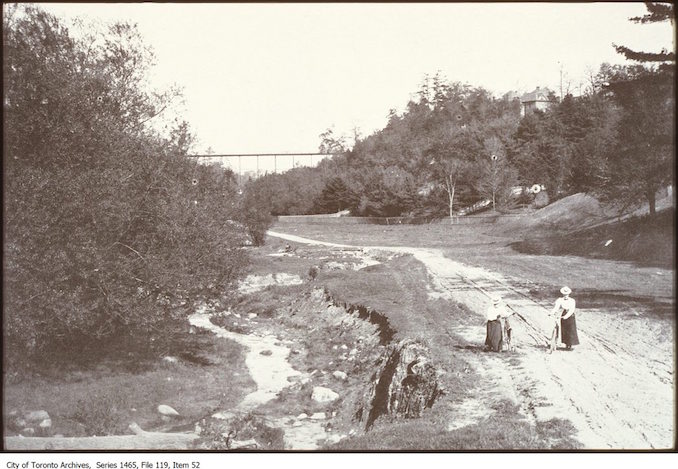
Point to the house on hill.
(539, 99)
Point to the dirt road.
(616, 387)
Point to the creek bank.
(329, 389)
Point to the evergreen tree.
(335, 197)
(657, 12)
(645, 158)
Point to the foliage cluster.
(110, 231)
(249, 428)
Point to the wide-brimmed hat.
(565, 290)
(496, 299)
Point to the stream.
(270, 371)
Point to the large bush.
(111, 232)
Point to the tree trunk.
(651, 200)
(450, 195)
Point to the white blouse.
(497, 310)
(564, 304)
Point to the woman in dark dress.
(568, 324)
(494, 339)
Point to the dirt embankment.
(580, 225)
(647, 241)
(333, 348)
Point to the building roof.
(511, 95)
(539, 94)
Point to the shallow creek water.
(270, 371)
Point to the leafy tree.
(388, 192)
(468, 127)
(495, 176)
(453, 171)
(329, 143)
(111, 233)
(293, 192)
(255, 210)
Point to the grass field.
(481, 245)
(105, 400)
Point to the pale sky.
(266, 78)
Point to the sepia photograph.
(336, 228)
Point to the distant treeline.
(456, 144)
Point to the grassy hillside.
(646, 240)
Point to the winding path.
(617, 387)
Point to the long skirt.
(493, 338)
(568, 333)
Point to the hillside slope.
(580, 225)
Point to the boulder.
(20, 423)
(244, 444)
(167, 411)
(403, 386)
(340, 375)
(36, 416)
(321, 394)
(45, 424)
(334, 438)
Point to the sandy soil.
(616, 387)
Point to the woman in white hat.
(564, 309)
(495, 313)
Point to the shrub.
(103, 413)
(220, 435)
